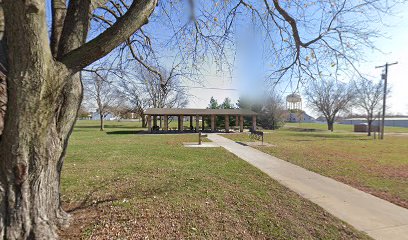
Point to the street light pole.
(384, 77)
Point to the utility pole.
(384, 77)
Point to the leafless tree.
(273, 113)
(149, 89)
(83, 112)
(329, 97)
(45, 89)
(134, 94)
(369, 97)
(104, 93)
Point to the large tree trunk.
(330, 125)
(37, 131)
(44, 97)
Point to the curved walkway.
(380, 219)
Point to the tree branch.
(59, 10)
(134, 19)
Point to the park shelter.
(197, 114)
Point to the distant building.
(389, 121)
(94, 115)
(299, 117)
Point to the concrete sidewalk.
(380, 219)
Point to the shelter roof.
(198, 111)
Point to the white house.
(95, 115)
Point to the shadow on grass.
(243, 144)
(293, 129)
(326, 136)
(89, 199)
(127, 132)
(87, 127)
(106, 126)
(86, 202)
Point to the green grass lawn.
(121, 185)
(379, 167)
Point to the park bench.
(257, 135)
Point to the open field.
(375, 166)
(121, 185)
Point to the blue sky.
(249, 69)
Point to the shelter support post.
(149, 123)
(254, 123)
(236, 121)
(197, 125)
(181, 123)
(166, 123)
(226, 123)
(212, 123)
(191, 122)
(241, 123)
(202, 123)
(154, 121)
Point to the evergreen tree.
(213, 104)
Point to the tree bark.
(101, 121)
(33, 154)
(330, 125)
(43, 98)
(370, 123)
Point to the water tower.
(293, 102)
(294, 107)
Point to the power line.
(213, 88)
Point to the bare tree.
(164, 93)
(148, 89)
(134, 94)
(273, 113)
(369, 97)
(329, 97)
(45, 89)
(83, 112)
(104, 93)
